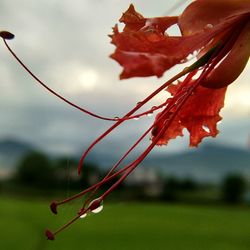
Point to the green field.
(123, 226)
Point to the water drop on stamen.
(116, 117)
(150, 114)
(139, 103)
(83, 216)
(136, 118)
(96, 206)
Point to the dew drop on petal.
(206, 128)
(195, 53)
(209, 26)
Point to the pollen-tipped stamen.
(6, 35)
(53, 207)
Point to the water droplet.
(116, 117)
(83, 216)
(139, 103)
(219, 122)
(96, 206)
(136, 118)
(206, 128)
(150, 114)
(209, 26)
(195, 53)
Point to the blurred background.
(178, 198)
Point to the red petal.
(201, 13)
(146, 50)
(199, 115)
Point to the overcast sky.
(66, 44)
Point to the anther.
(49, 235)
(53, 207)
(6, 35)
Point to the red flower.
(144, 49)
(218, 31)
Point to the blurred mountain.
(208, 163)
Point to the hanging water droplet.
(136, 118)
(96, 206)
(195, 53)
(83, 216)
(206, 128)
(209, 26)
(150, 114)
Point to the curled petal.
(200, 14)
(233, 64)
(147, 50)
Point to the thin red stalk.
(91, 188)
(67, 224)
(52, 91)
